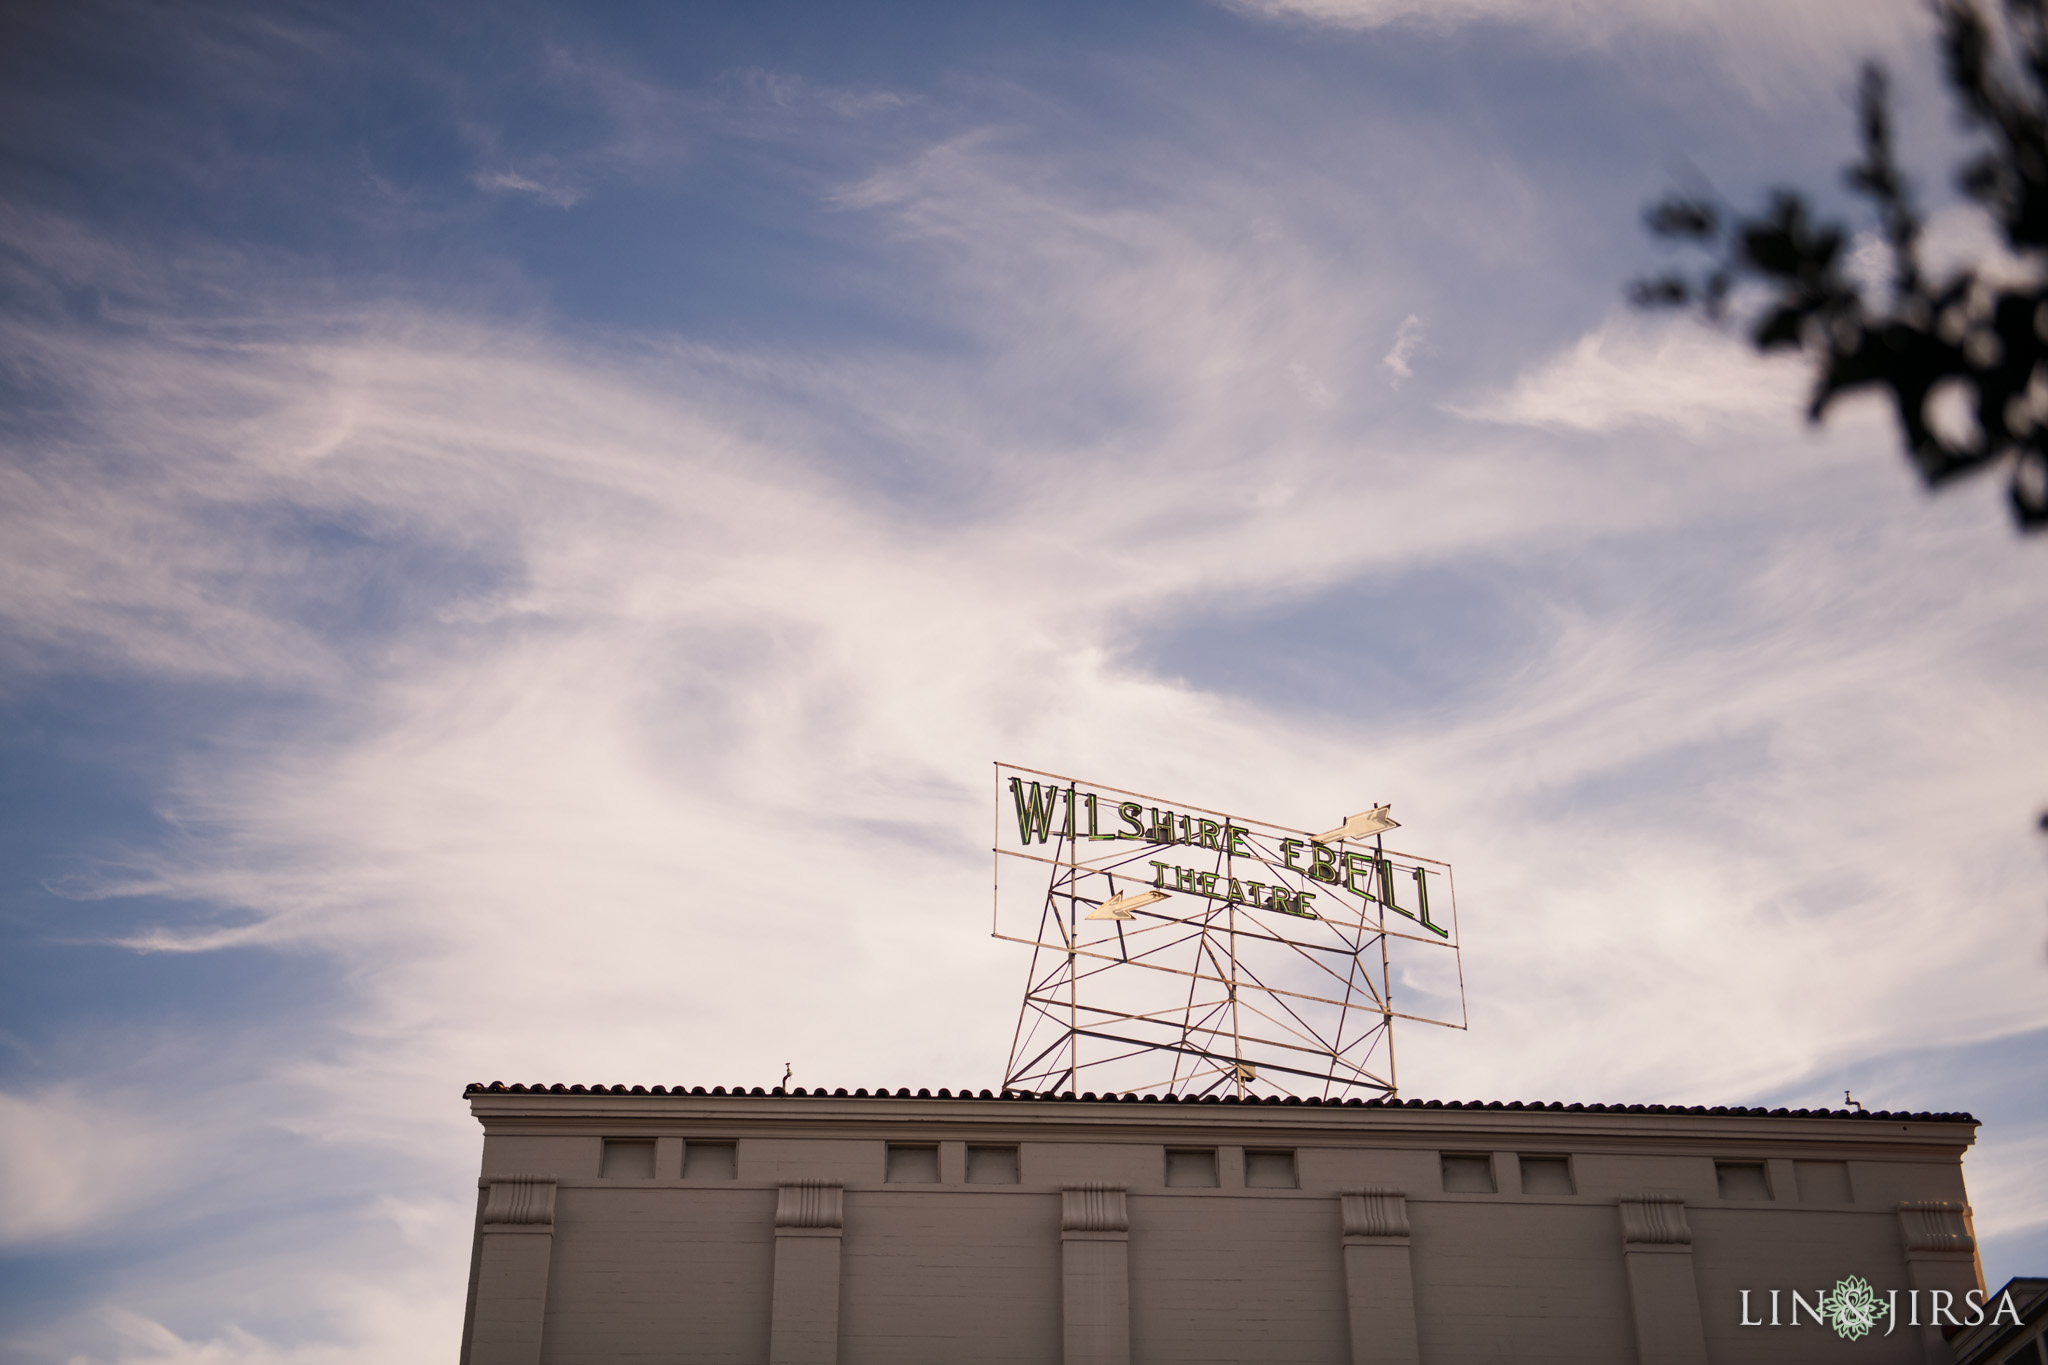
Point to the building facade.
(656, 1225)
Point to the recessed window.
(1468, 1173)
(710, 1161)
(1742, 1180)
(628, 1159)
(1822, 1182)
(991, 1165)
(1269, 1170)
(1547, 1175)
(910, 1165)
(1191, 1166)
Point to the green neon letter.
(1034, 815)
(1289, 850)
(1323, 863)
(1129, 812)
(1387, 889)
(1422, 899)
(1159, 877)
(1090, 798)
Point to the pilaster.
(1095, 1275)
(803, 1323)
(1379, 1277)
(1656, 1243)
(1941, 1255)
(514, 1247)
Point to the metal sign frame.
(1278, 945)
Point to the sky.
(525, 527)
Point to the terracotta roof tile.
(1090, 1097)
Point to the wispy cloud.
(1408, 343)
(1774, 54)
(561, 196)
(67, 1162)
(1633, 372)
(1812, 30)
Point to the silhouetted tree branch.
(1989, 339)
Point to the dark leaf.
(1783, 327)
(1690, 219)
(1772, 250)
(1666, 291)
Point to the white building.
(618, 1225)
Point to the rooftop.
(1090, 1097)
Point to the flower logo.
(1853, 1308)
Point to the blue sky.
(525, 527)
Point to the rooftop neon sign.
(1181, 948)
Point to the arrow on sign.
(1120, 905)
(1363, 825)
